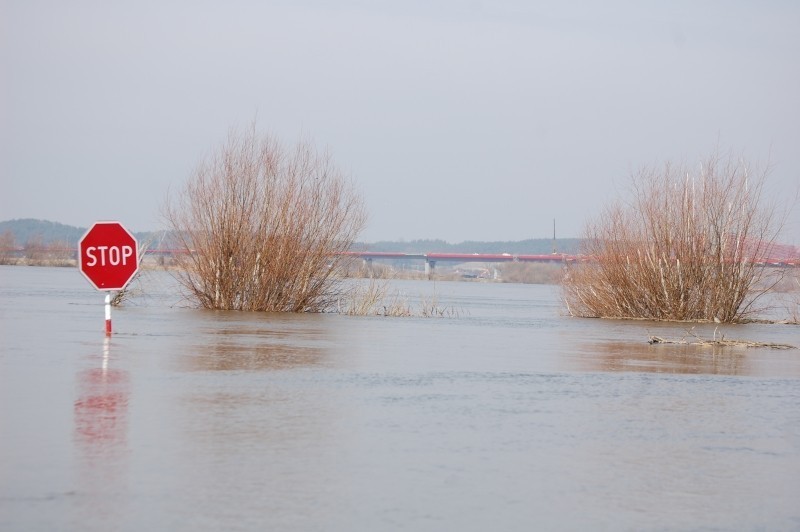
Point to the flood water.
(507, 415)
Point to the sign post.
(108, 256)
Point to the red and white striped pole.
(108, 314)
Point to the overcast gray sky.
(457, 120)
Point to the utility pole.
(554, 236)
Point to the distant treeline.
(24, 231)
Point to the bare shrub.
(55, 253)
(59, 253)
(134, 286)
(686, 247)
(374, 299)
(430, 307)
(264, 225)
(8, 248)
(34, 250)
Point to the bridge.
(784, 257)
(432, 258)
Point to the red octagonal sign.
(108, 256)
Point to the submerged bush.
(374, 299)
(685, 247)
(263, 226)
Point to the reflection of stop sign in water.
(108, 256)
(101, 411)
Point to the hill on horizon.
(48, 232)
(41, 231)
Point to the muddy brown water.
(508, 416)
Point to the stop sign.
(108, 256)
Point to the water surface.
(509, 416)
